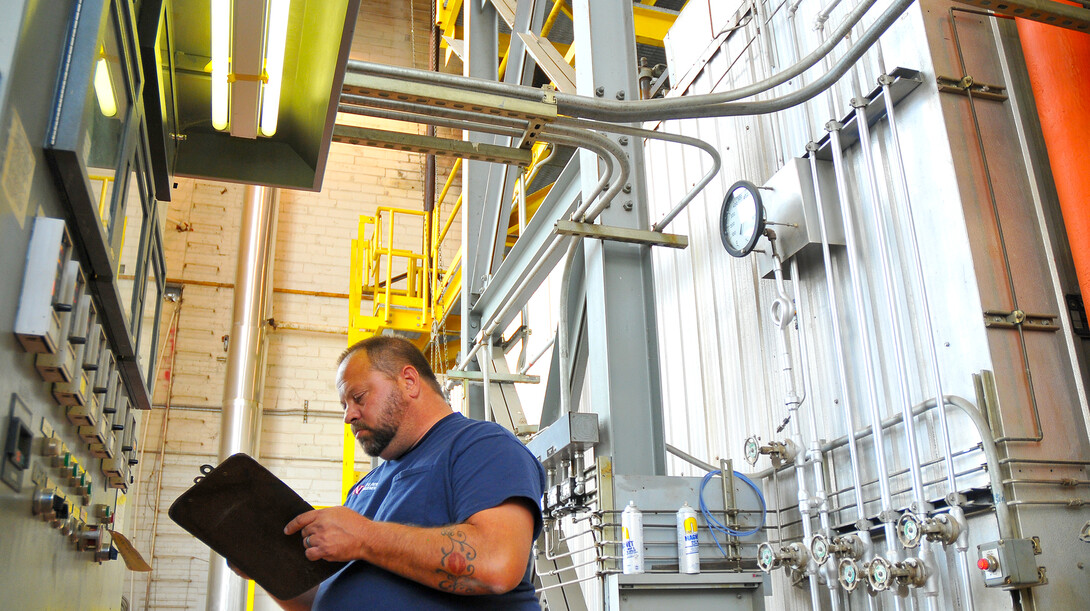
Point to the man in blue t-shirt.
(447, 521)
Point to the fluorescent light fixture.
(275, 40)
(104, 89)
(221, 51)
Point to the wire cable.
(715, 525)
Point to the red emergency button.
(986, 564)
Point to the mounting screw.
(628, 205)
(623, 140)
(600, 91)
(620, 95)
(627, 187)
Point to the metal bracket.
(1002, 319)
(966, 85)
(477, 151)
(1047, 12)
(621, 234)
(477, 376)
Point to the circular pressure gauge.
(742, 218)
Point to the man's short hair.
(390, 354)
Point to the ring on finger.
(306, 541)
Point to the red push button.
(983, 564)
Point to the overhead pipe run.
(240, 424)
(686, 107)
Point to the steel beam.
(531, 247)
(651, 23)
(481, 53)
(416, 143)
(621, 234)
(622, 342)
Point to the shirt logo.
(366, 487)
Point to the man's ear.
(410, 380)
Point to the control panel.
(1009, 563)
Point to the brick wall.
(311, 279)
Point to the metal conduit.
(240, 424)
(708, 105)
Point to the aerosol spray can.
(688, 541)
(631, 540)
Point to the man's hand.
(334, 533)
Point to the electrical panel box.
(791, 202)
(37, 322)
(1008, 563)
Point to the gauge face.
(741, 221)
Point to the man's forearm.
(486, 554)
(450, 558)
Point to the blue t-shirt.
(458, 468)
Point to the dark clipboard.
(239, 509)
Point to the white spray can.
(688, 541)
(631, 540)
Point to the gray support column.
(481, 61)
(240, 425)
(622, 367)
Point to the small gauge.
(742, 219)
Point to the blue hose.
(716, 525)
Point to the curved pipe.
(717, 161)
(659, 108)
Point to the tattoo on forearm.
(457, 563)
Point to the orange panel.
(1059, 71)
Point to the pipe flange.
(910, 530)
(819, 549)
(914, 572)
(850, 546)
(880, 574)
(847, 574)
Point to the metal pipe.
(240, 425)
(717, 161)
(593, 142)
(905, 209)
(563, 352)
(838, 347)
(633, 111)
(885, 499)
(906, 213)
(162, 450)
(689, 458)
(885, 267)
(534, 360)
(783, 312)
